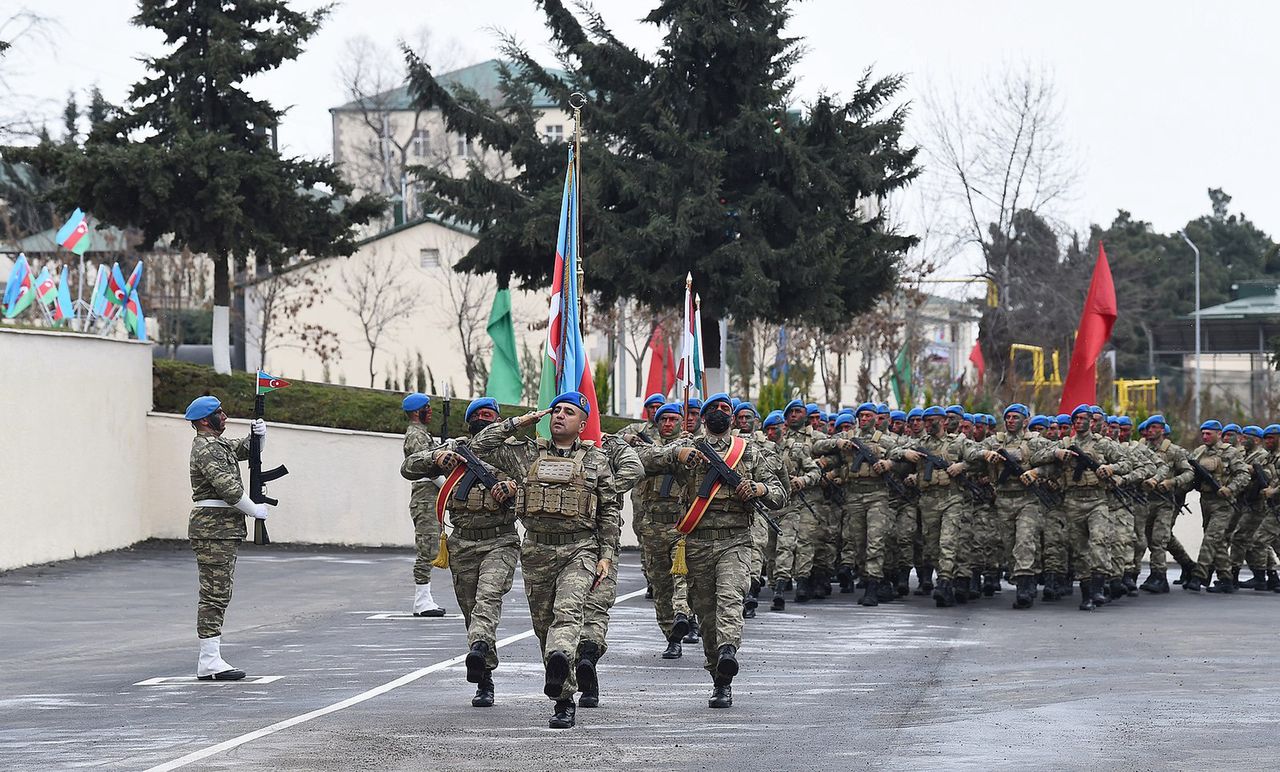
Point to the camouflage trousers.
(1088, 518)
(557, 579)
(1244, 544)
(216, 565)
(1215, 546)
(988, 550)
(482, 575)
(795, 544)
(1021, 523)
(901, 542)
(826, 539)
(595, 616)
(1163, 543)
(1267, 541)
(1055, 546)
(764, 543)
(670, 593)
(1120, 538)
(1143, 524)
(718, 579)
(867, 525)
(944, 517)
(426, 538)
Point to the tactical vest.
(1215, 464)
(864, 472)
(558, 486)
(1089, 478)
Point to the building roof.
(482, 78)
(1250, 305)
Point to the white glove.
(246, 505)
(258, 427)
(260, 511)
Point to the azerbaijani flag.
(17, 293)
(689, 369)
(134, 321)
(74, 234)
(117, 288)
(46, 288)
(98, 300)
(269, 383)
(564, 364)
(64, 309)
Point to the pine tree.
(189, 154)
(695, 161)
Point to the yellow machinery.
(1039, 376)
(1132, 394)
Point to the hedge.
(176, 383)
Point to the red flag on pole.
(979, 364)
(1096, 320)
(661, 375)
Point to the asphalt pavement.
(97, 658)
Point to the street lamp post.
(1195, 249)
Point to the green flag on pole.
(505, 383)
(901, 379)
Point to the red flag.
(979, 363)
(661, 375)
(1096, 321)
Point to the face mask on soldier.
(477, 425)
(717, 421)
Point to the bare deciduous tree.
(279, 303)
(469, 298)
(377, 295)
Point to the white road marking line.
(404, 615)
(407, 678)
(183, 680)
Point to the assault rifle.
(477, 472)
(258, 479)
(866, 455)
(1012, 467)
(934, 462)
(1085, 462)
(1205, 480)
(730, 477)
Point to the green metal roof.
(1251, 305)
(482, 78)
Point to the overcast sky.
(1164, 98)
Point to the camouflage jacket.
(1171, 464)
(498, 445)
(479, 509)
(839, 462)
(947, 446)
(1098, 448)
(1145, 463)
(215, 474)
(1225, 463)
(417, 438)
(660, 493)
(1021, 447)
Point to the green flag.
(505, 383)
(901, 379)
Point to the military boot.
(1086, 598)
(1152, 585)
(695, 631)
(674, 650)
(557, 674)
(975, 586)
(727, 661)
(1225, 585)
(1068, 586)
(1115, 589)
(564, 717)
(1191, 582)
(845, 576)
(943, 595)
(477, 669)
(1130, 581)
(484, 692)
(779, 602)
(1188, 568)
(1050, 592)
(924, 579)
(902, 583)
(802, 589)
(588, 679)
(1235, 575)
(885, 592)
(722, 693)
(990, 585)
(1026, 595)
(1256, 582)
(680, 627)
(1097, 590)
(749, 605)
(1273, 581)
(869, 594)
(960, 585)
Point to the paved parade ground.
(97, 658)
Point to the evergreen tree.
(694, 162)
(189, 154)
(70, 120)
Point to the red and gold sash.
(737, 448)
(442, 499)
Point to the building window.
(462, 148)
(421, 143)
(429, 258)
(553, 132)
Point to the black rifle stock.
(476, 472)
(1085, 462)
(1012, 467)
(866, 455)
(1205, 480)
(258, 478)
(933, 461)
(730, 477)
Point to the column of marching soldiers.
(728, 506)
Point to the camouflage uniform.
(719, 550)
(569, 508)
(627, 471)
(1255, 508)
(868, 514)
(483, 549)
(1266, 539)
(1226, 464)
(1019, 515)
(215, 532)
(1160, 515)
(941, 502)
(659, 494)
(799, 524)
(638, 513)
(1124, 535)
(422, 502)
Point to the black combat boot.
(845, 576)
(564, 717)
(1164, 582)
(1225, 585)
(749, 605)
(869, 594)
(902, 583)
(1097, 590)
(885, 592)
(1191, 582)
(695, 633)
(802, 590)
(1235, 575)
(1026, 595)
(727, 661)
(975, 586)
(990, 584)
(477, 669)
(722, 692)
(779, 602)
(674, 650)
(1152, 585)
(557, 674)
(1273, 581)
(1258, 581)
(1068, 586)
(943, 595)
(1086, 598)
(924, 579)
(960, 585)
(1050, 592)
(1188, 568)
(484, 692)
(588, 679)
(1115, 589)
(679, 628)
(1130, 584)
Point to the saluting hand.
(532, 417)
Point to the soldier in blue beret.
(422, 505)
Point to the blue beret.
(882, 408)
(970, 417)
(574, 398)
(1124, 420)
(847, 410)
(202, 407)
(653, 399)
(933, 410)
(476, 404)
(811, 408)
(1078, 410)
(915, 412)
(1142, 427)
(1167, 428)
(792, 405)
(773, 419)
(1253, 430)
(1017, 407)
(670, 407)
(1154, 419)
(1231, 428)
(955, 410)
(1271, 429)
(1064, 419)
(1095, 410)
(1112, 420)
(718, 397)
(988, 419)
(1211, 424)
(897, 415)
(823, 416)
(415, 401)
(1039, 420)
(869, 407)
(733, 404)
(745, 406)
(844, 419)
(695, 403)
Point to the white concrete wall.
(75, 449)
